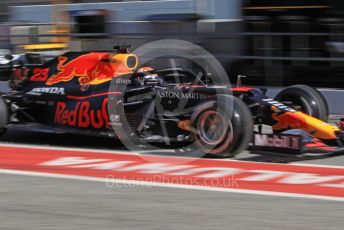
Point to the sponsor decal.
(40, 74)
(182, 95)
(122, 81)
(279, 105)
(234, 176)
(82, 115)
(278, 141)
(46, 90)
(291, 144)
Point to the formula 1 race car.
(71, 93)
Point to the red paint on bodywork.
(289, 120)
(40, 74)
(88, 68)
(242, 89)
(82, 115)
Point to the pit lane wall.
(137, 23)
(135, 10)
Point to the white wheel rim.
(213, 127)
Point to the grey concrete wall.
(136, 11)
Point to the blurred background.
(273, 42)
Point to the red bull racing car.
(104, 93)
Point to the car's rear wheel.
(223, 127)
(306, 99)
(3, 116)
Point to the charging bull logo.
(89, 68)
(299, 120)
(289, 120)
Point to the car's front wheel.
(306, 99)
(222, 127)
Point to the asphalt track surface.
(29, 202)
(45, 203)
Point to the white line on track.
(166, 185)
(137, 154)
(67, 148)
(318, 166)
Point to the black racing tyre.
(223, 127)
(310, 100)
(3, 115)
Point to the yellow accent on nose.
(318, 128)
